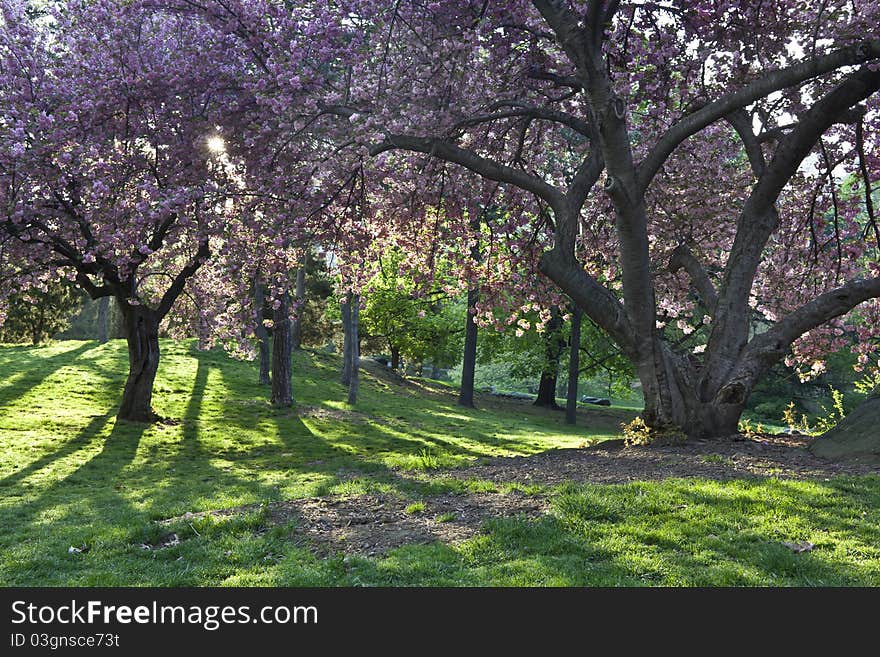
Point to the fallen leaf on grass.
(799, 546)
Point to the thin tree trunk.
(142, 334)
(435, 371)
(296, 333)
(574, 366)
(103, 321)
(469, 362)
(354, 346)
(395, 358)
(203, 334)
(262, 334)
(550, 376)
(281, 368)
(346, 340)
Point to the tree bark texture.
(142, 334)
(354, 347)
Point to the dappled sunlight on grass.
(72, 475)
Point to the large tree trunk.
(547, 390)
(550, 374)
(346, 341)
(679, 399)
(262, 334)
(296, 334)
(574, 367)
(354, 346)
(142, 334)
(469, 362)
(103, 321)
(281, 368)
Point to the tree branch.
(773, 81)
(812, 314)
(597, 302)
(683, 258)
(476, 163)
(171, 294)
(742, 123)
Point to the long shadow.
(96, 478)
(83, 438)
(14, 385)
(190, 469)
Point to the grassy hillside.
(71, 476)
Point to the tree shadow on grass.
(82, 439)
(89, 491)
(31, 369)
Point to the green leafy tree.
(37, 315)
(415, 326)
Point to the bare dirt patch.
(610, 462)
(368, 525)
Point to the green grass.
(71, 475)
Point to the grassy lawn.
(70, 475)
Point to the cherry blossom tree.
(106, 177)
(687, 157)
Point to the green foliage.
(831, 416)
(317, 317)
(37, 316)
(420, 326)
(636, 432)
(415, 507)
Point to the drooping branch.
(683, 258)
(599, 303)
(519, 109)
(478, 164)
(760, 88)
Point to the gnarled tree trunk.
(142, 334)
